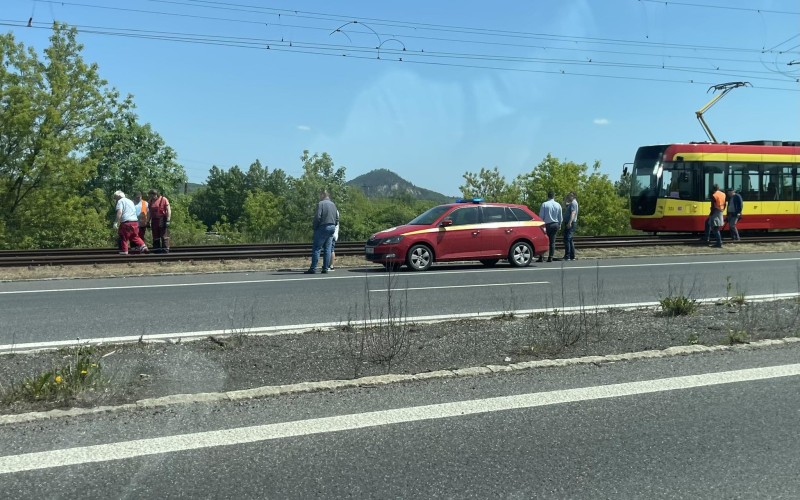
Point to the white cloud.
(304, 128)
(601, 121)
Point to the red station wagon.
(464, 230)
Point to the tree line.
(68, 140)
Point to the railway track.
(89, 256)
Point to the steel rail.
(89, 256)
(301, 247)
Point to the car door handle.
(509, 231)
(475, 233)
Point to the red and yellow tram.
(671, 184)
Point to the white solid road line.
(310, 327)
(228, 437)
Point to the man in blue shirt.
(550, 213)
(735, 207)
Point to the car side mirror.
(446, 222)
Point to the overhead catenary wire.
(368, 53)
(728, 67)
(416, 26)
(339, 50)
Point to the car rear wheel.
(419, 258)
(489, 262)
(520, 254)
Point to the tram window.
(669, 185)
(677, 183)
(771, 182)
(714, 173)
(787, 186)
(644, 180)
(745, 180)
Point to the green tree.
(132, 157)
(489, 185)
(185, 229)
(301, 200)
(78, 222)
(259, 178)
(550, 175)
(601, 210)
(261, 216)
(48, 110)
(222, 197)
(623, 186)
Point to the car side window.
(464, 216)
(495, 214)
(520, 214)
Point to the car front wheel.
(520, 254)
(419, 258)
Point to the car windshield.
(429, 217)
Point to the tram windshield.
(644, 181)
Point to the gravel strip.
(239, 366)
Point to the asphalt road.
(717, 425)
(53, 310)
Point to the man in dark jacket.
(325, 219)
(735, 207)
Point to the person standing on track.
(735, 207)
(570, 224)
(715, 219)
(550, 213)
(334, 239)
(325, 219)
(141, 213)
(127, 225)
(158, 218)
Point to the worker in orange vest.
(141, 212)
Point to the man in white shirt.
(127, 225)
(550, 213)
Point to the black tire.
(520, 254)
(489, 262)
(419, 258)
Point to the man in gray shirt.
(325, 219)
(550, 213)
(570, 224)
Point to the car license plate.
(369, 250)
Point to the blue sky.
(480, 84)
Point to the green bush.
(738, 337)
(678, 305)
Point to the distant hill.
(383, 183)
